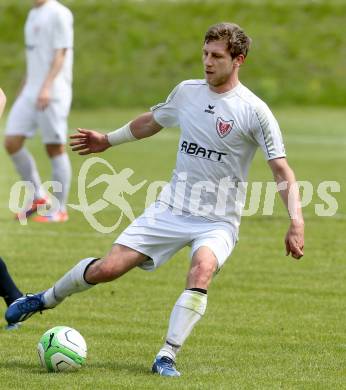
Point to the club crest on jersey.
(223, 127)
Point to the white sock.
(188, 310)
(61, 172)
(26, 167)
(72, 282)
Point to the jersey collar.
(231, 92)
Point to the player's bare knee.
(201, 274)
(12, 144)
(54, 150)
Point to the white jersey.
(47, 28)
(219, 137)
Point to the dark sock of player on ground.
(8, 289)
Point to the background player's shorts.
(24, 119)
(159, 235)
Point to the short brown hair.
(237, 41)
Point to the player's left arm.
(289, 191)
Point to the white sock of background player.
(26, 167)
(61, 172)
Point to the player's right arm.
(91, 141)
(2, 101)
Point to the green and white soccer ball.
(61, 349)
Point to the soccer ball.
(61, 349)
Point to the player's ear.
(239, 60)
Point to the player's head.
(238, 43)
(225, 48)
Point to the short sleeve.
(63, 31)
(167, 114)
(267, 133)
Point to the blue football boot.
(23, 308)
(164, 366)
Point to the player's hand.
(89, 141)
(294, 240)
(43, 99)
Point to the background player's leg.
(22, 124)
(8, 289)
(24, 162)
(192, 303)
(61, 172)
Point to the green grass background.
(271, 323)
(131, 53)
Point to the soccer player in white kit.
(44, 102)
(222, 123)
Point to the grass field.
(271, 322)
(141, 41)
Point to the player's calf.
(116, 263)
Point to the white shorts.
(24, 119)
(161, 235)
